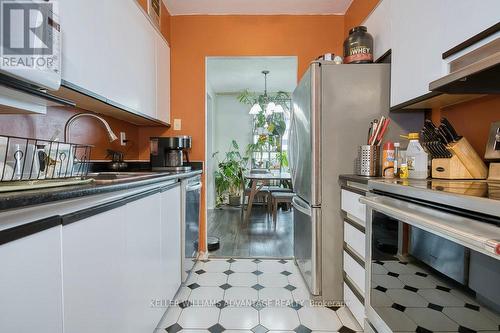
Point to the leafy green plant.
(283, 158)
(229, 178)
(269, 127)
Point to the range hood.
(476, 72)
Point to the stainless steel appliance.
(33, 61)
(331, 106)
(191, 194)
(169, 153)
(433, 256)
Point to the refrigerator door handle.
(293, 145)
(301, 206)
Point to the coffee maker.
(170, 153)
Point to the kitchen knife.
(432, 149)
(444, 152)
(441, 136)
(452, 130)
(446, 132)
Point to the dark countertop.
(357, 179)
(13, 200)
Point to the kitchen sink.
(117, 177)
(40, 184)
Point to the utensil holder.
(368, 161)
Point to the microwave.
(31, 43)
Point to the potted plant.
(229, 180)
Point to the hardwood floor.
(258, 239)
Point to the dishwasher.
(191, 194)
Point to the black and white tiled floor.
(411, 298)
(250, 295)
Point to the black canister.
(358, 47)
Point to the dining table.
(257, 181)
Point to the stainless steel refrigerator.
(332, 108)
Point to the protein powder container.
(358, 47)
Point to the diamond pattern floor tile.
(279, 318)
(239, 318)
(234, 295)
(319, 318)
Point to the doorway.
(248, 114)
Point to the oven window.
(421, 282)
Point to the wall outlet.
(177, 124)
(123, 138)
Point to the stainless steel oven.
(191, 189)
(430, 268)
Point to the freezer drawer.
(307, 243)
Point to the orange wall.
(164, 18)
(472, 119)
(357, 12)
(165, 22)
(193, 38)
(84, 130)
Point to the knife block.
(450, 168)
(494, 173)
(464, 164)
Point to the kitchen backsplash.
(472, 119)
(84, 130)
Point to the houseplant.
(229, 180)
(268, 127)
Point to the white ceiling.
(257, 7)
(234, 74)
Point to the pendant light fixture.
(270, 106)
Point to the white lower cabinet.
(351, 205)
(171, 249)
(94, 267)
(354, 252)
(143, 263)
(354, 304)
(31, 285)
(118, 264)
(354, 271)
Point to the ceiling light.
(278, 109)
(270, 108)
(256, 109)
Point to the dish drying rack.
(28, 159)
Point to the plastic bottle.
(416, 158)
(397, 163)
(388, 160)
(404, 171)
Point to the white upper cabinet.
(85, 38)
(419, 32)
(162, 80)
(379, 26)
(417, 38)
(110, 48)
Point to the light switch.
(177, 124)
(123, 138)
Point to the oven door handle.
(469, 233)
(195, 187)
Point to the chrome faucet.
(67, 128)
